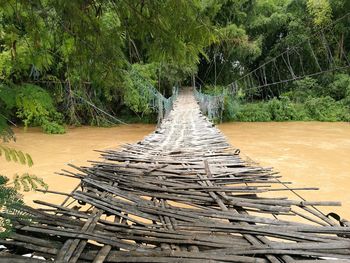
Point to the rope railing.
(156, 101)
(322, 52)
(210, 105)
(153, 98)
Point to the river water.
(310, 154)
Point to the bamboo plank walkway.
(182, 194)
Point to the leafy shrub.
(318, 109)
(52, 127)
(253, 112)
(340, 87)
(281, 110)
(326, 109)
(306, 84)
(301, 112)
(231, 103)
(231, 107)
(302, 89)
(273, 110)
(35, 107)
(346, 102)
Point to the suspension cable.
(293, 47)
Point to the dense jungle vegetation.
(57, 58)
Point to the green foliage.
(15, 155)
(253, 112)
(273, 110)
(302, 89)
(10, 204)
(320, 10)
(109, 52)
(171, 74)
(339, 88)
(281, 109)
(326, 109)
(32, 104)
(306, 100)
(7, 104)
(35, 107)
(52, 127)
(28, 182)
(306, 85)
(139, 88)
(231, 107)
(317, 109)
(5, 131)
(274, 27)
(65, 48)
(7, 97)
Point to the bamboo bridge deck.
(183, 194)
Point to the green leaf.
(21, 157)
(29, 160)
(14, 155)
(28, 182)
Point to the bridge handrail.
(210, 105)
(156, 101)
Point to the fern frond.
(29, 160)
(41, 182)
(16, 210)
(21, 157)
(3, 180)
(29, 182)
(9, 198)
(25, 183)
(16, 182)
(7, 154)
(11, 209)
(14, 155)
(5, 226)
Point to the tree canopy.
(54, 55)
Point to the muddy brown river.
(307, 153)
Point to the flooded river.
(309, 154)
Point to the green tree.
(321, 11)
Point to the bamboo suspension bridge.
(182, 194)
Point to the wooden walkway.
(183, 194)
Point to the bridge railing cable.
(156, 101)
(210, 105)
(324, 51)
